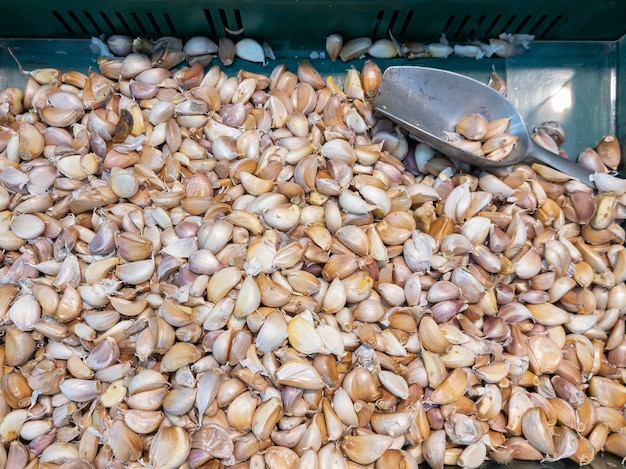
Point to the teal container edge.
(300, 24)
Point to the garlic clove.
(472, 126)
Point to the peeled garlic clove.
(120, 44)
(249, 49)
(434, 449)
(299, 375)
(137, 272)
(354, 48)
(199, 45)
(27, 226)
(472, 126)
(439, 50)
(125, 444)
(334, 43)
(607, 392)
(170, 447)
(58, 117)
(273, 332)
(472, 455)
(382, 49)
(25, 312)
(616, 444)
(222, 282)
(249, 298)
(105, 354)
(537, 431)
(123, 183)
(496, 127)
(502, 142)
(303, 336)
(365, 449)
(394, 383)
(451, 389)
(308, 74)
(80, 390)
(283, 217)
(179, 355)
(213, 440)
(352, 86)
(609, 150)
(548, 314)
(265, 417)
(226, 50)
(471, 146)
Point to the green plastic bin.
(574, 70)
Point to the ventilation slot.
(78, 22)
(233, 28)
(93, 22)
(142, 29)
(124, 24)
(482, 28)
(491, 29)
(520, 27)
(154, 24)
(170, 24)
(475, 32)
(542, 33)
(392, 21)
(507, 26)
(534, 28)
(446, 27)
(72, 23)
(63, 23)
(382, 28)
(210, 22)
(379, 20)
(461, 32)
(134, 24)
(407, 22)
(469, 28)
(108, 22)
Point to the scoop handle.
(559, 163)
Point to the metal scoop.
(428, 102)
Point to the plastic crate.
(296, 25)
(574, 71)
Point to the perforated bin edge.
(291, 25)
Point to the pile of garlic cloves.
(203, 271)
